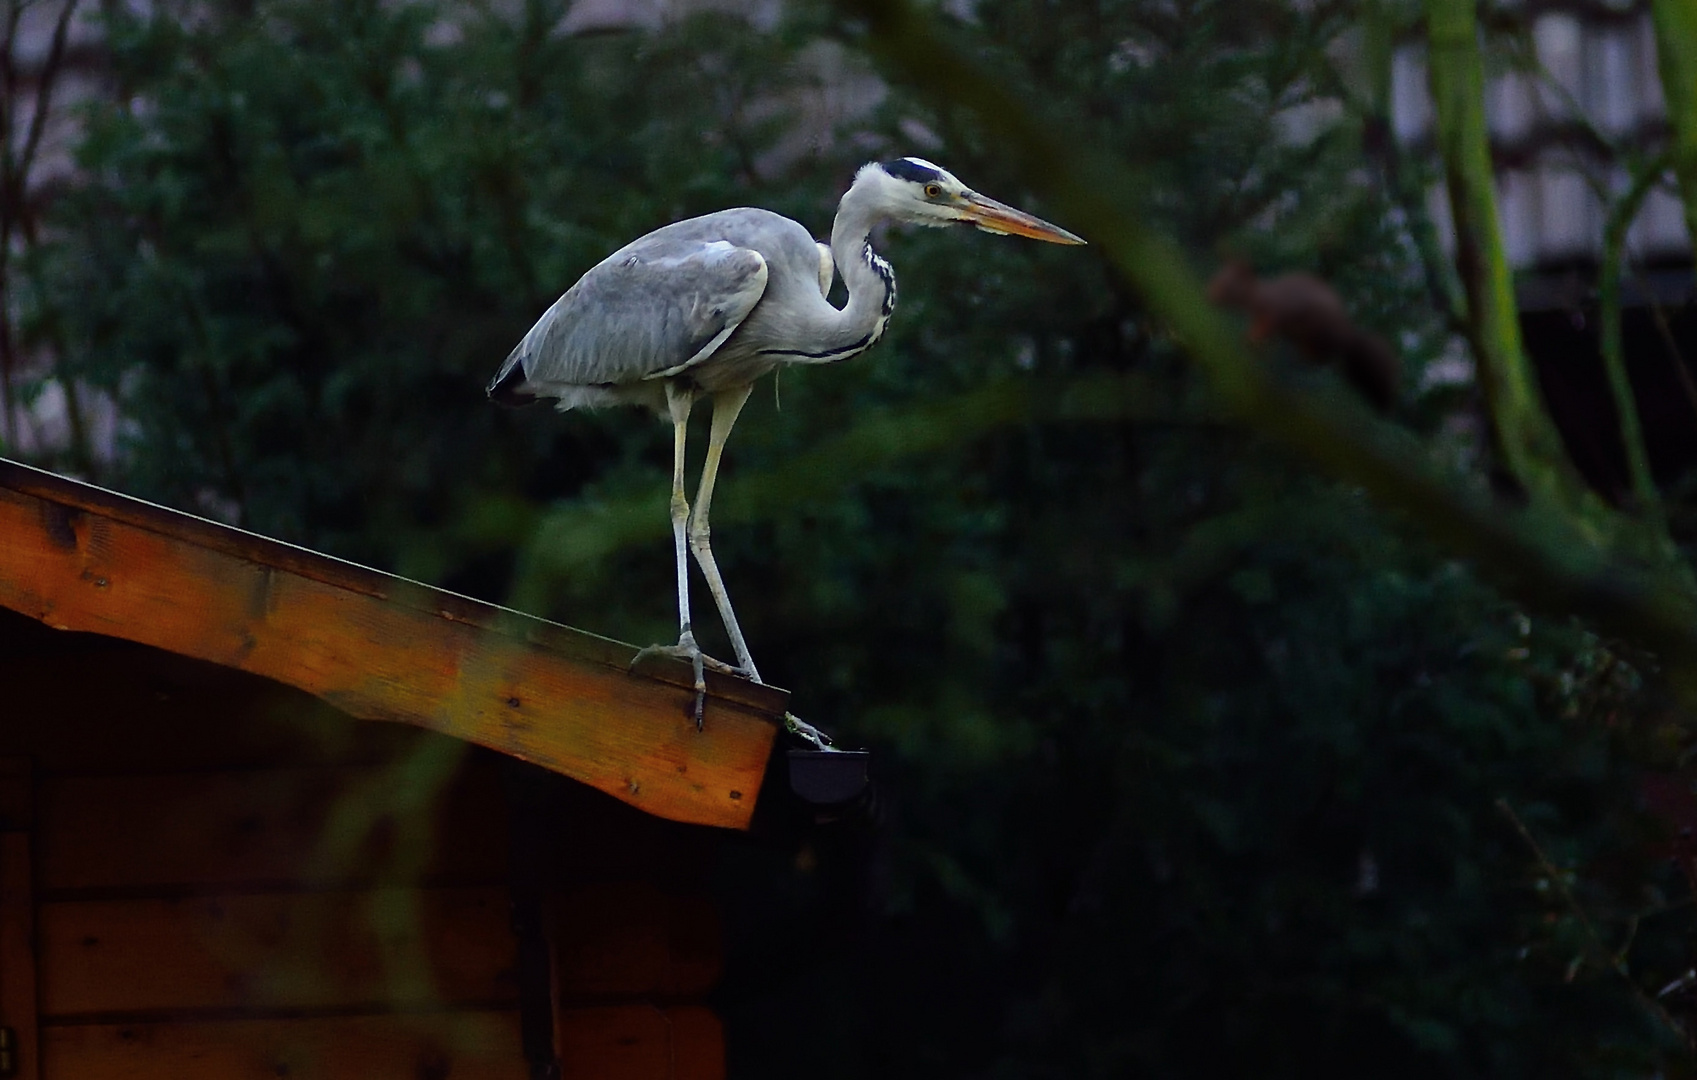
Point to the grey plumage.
(698, 299)
(708, 305)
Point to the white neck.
(870, 281)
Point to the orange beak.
(996, 217)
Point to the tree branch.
(43, 103)
(1601, 954)
(10, 204)
(1676, 48)
(1526, 440)
(1648, 499)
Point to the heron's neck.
(870, 281)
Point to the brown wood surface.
(270, 828)
(627, 939)
(639, 1042)
(451, 1046)
(17, 932)
(99, 706)
(376, 949)
(698, 1043)
(17, 794)
(380, 647)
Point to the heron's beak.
(992, 216)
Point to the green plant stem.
(1526, 439)
(1401, 178)
(1676, 49)
(1601, 954)
(1644, 493)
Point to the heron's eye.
(933, 190)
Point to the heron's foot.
(687, 649)
(801, 729)
(711, 664)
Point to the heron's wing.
(650, 309)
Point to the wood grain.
(460, 1045)
(382, 648)
(17, 794)
(102, 706)
(698, 1043)
(377, 949)
(17, 952)
(271, 828)
(628, 939)
(639, 1042)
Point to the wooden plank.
(609, 941)
(274, 827)
(614, 1042)
(457, 1045)
(626, 939)
(155, 711)
(17, 794)
(640, 1042)
(17, 952)
(698, 1043)
(74, 499)
(360, 949)
(695, 946)
(382, 648)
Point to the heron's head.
(914, 191)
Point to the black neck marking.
(888, 277)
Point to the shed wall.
(203, 874)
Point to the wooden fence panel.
(640, 1042)
(17, 918)
(628, 939)
(461, 1046)
(381, 948)
(271, 828)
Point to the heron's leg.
(726, 405)
(679, 400)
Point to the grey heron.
(704, 307)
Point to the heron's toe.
(721, 667)
(686, 649)
(795, 725)
(675, 652)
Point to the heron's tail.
(507, 387)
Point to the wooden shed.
(214, 865)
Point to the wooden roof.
(380, 647)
